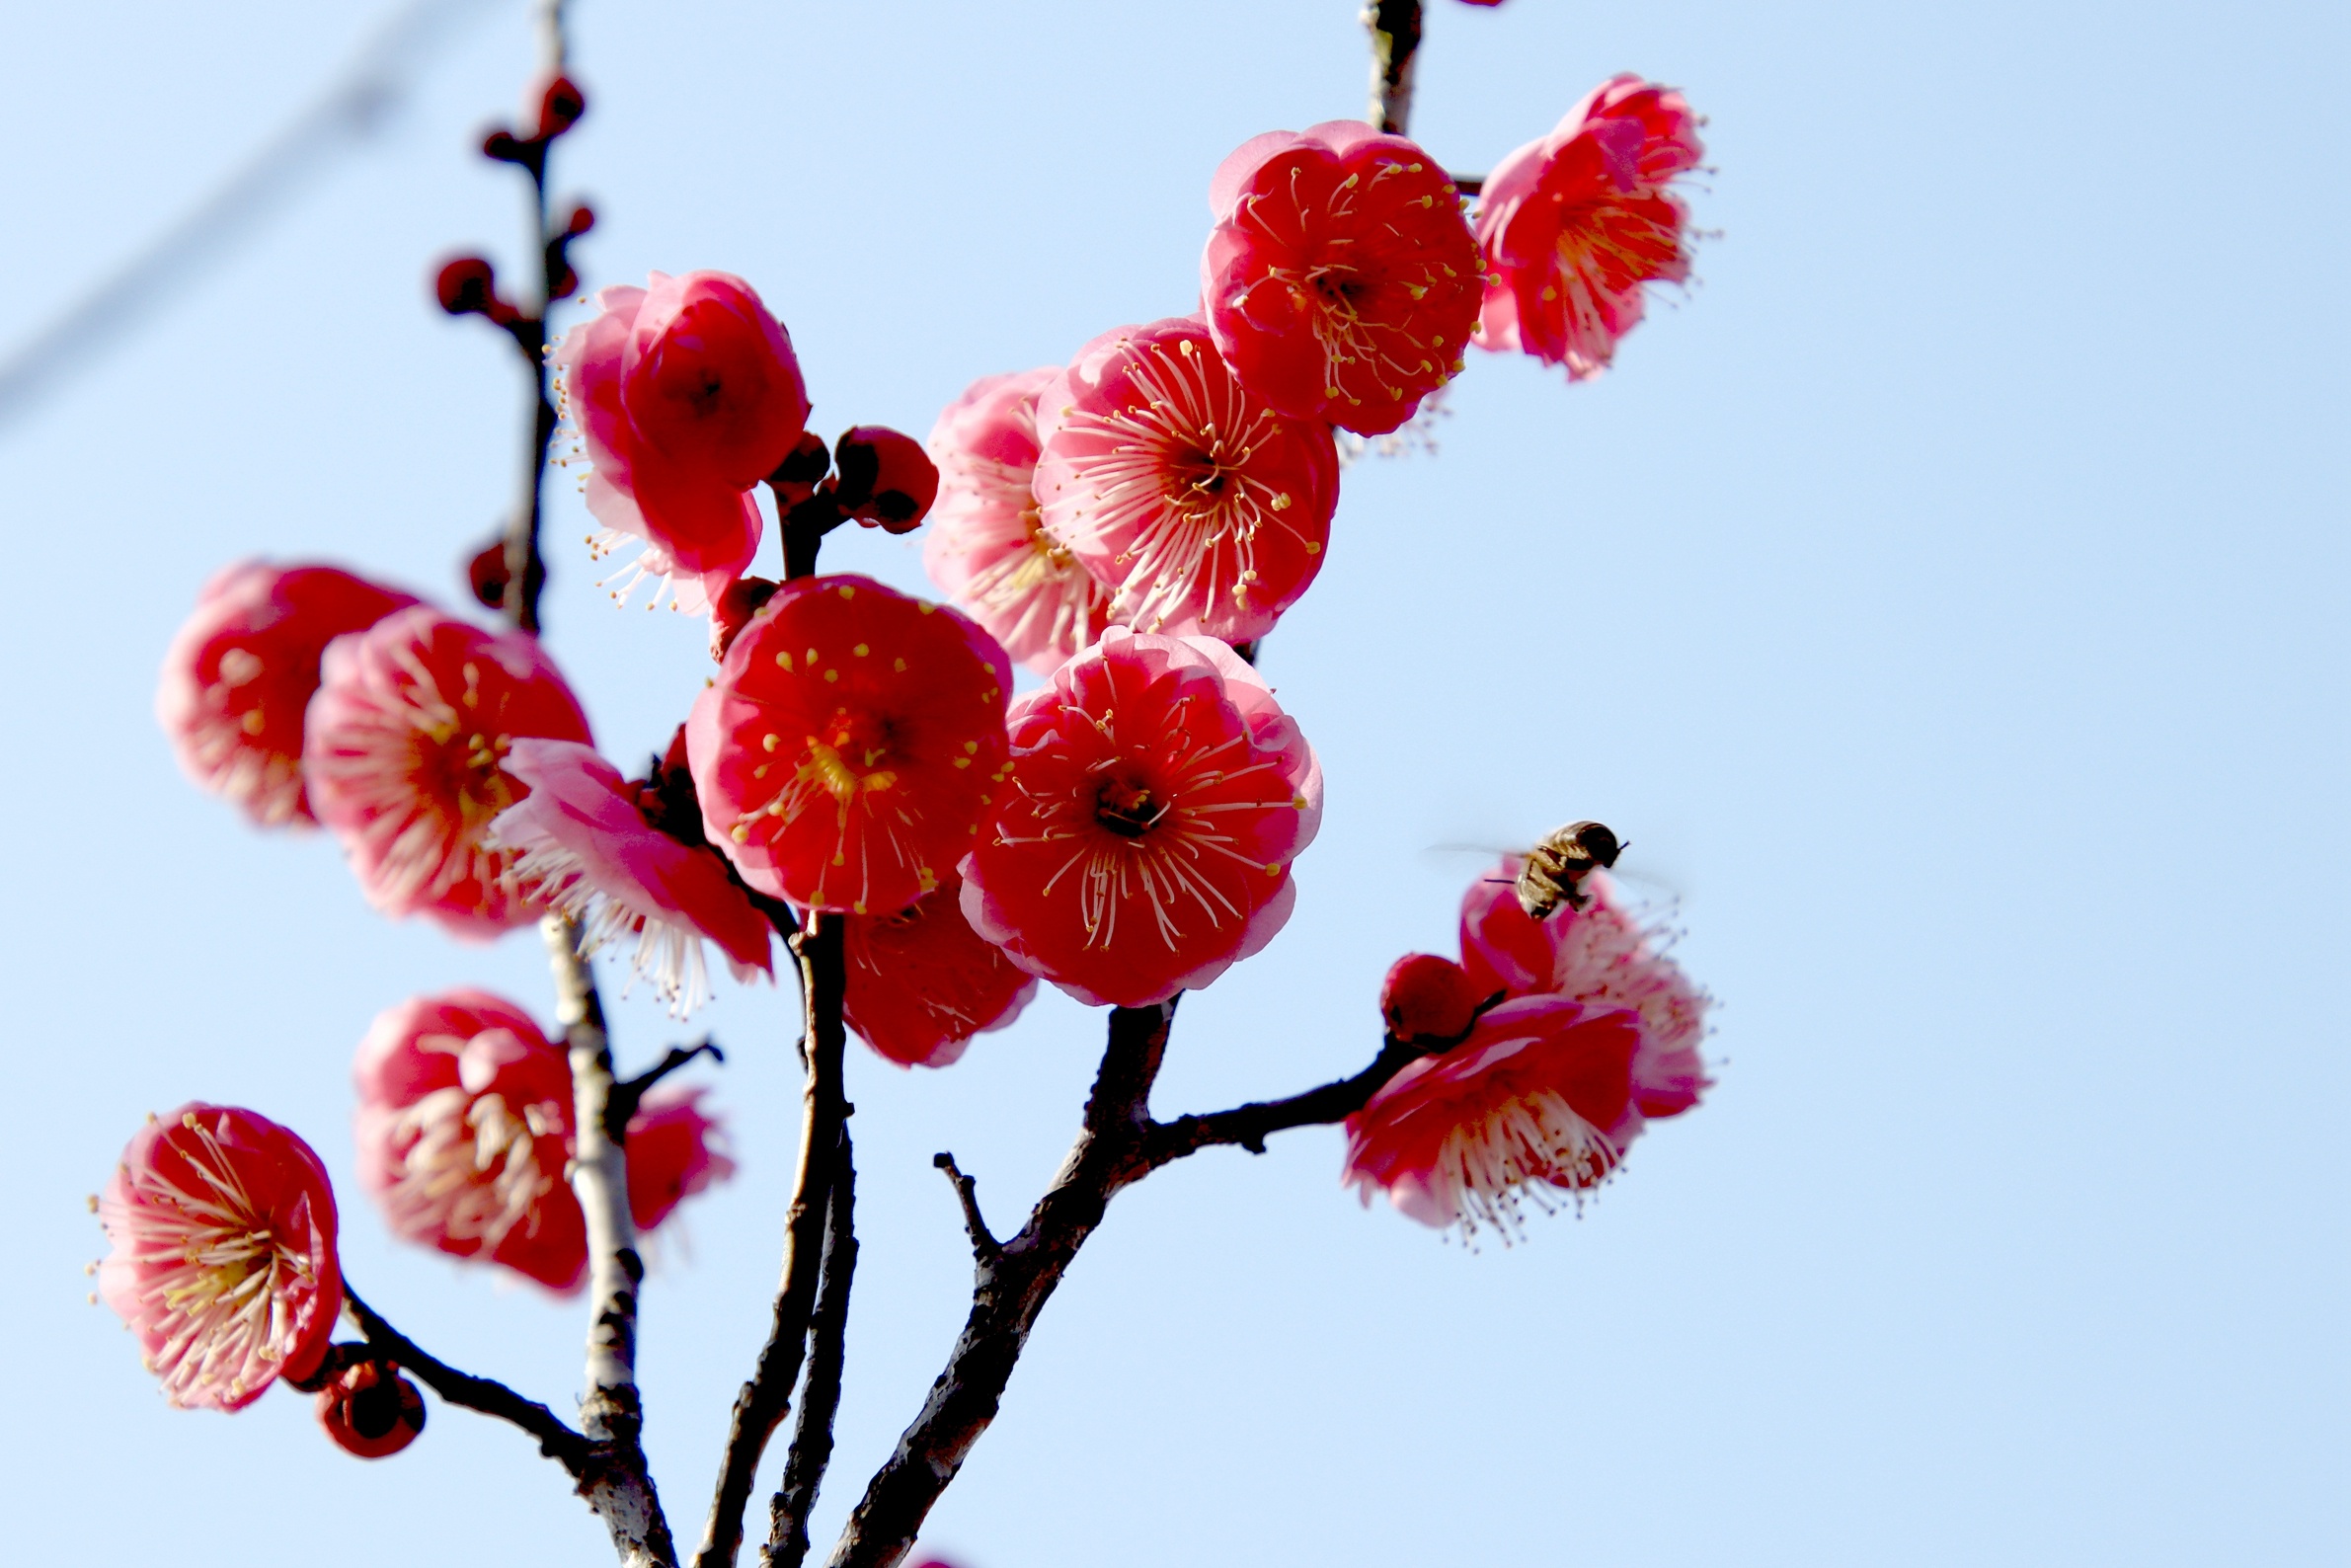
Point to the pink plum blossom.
(1341, 282)
(1575, 225)
(405, 756)
(848, 752)
(686, 396)
(986, 550)
(241, 672)
(463, 1128)
(1200, 506)
(675, 1150)
(1536, 1100)
(1157, 798)
(921, 982)
(223, 1262)
(586, 849)
(1600, 954)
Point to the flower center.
(846, 754)
(1126, 807)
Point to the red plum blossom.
(686, 396)
(1341, 282)
(406, 754)
(847, 755)
(241, 672)
(1573, 225)
(921, 982)
(1201, 506)
(586, 849)
(986, 549)
(223, 1262)
(1159, 796)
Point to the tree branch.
(967, 1191)
(622, 1492)
(1249, 1125)
(629, 1093)
(1008, 1291)
(557, 1441)
(812, 1437)
(761, 1405)
(1395, 40)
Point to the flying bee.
(1555, 869)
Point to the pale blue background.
(1949, 595)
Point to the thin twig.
(1248, 1125)
(967, 1191)
(827, 1332)
(1395, 40)
(1008, 1291)
(629, 1093)
(761, 1406)
(557, 1441)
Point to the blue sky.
(1946, 594)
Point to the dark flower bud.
(741, 600)
(886, 478)
(804, 468)
(487, 575)
(560, 107)
(370, 1410)
(467, 287)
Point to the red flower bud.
(1426, 997)
(736, 606)
(796, 478)
(370, 1410)
(560, 107)
(467, 287)
(886, 478)
(487, 575)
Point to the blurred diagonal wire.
(350, 111)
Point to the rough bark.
(820, 1396)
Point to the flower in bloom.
(675, 1150)
(1573, 225)
(1598, 1035)
(847, 752)
(1601, 955)
(463, 1128)
(370, 1410)
(1202, 507)
(986, 549)
(586, 849)
(686, 395)
(406, 761)
(921, 982)
(241, 671)
(1341, 282)
(223, 1261)
(1142, 847)
(1538, 1100)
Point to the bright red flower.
(1202, 507)
(1601, 956)
(1341, 282)
(686, 395)
(1157, 798)
(586, 850)
(241, 671)
(1576, 223)
(675, 1150)
(845, 756)
(921, 982)
(223, 1260)
(986, 549)
(887, 479)
(405, 758)
(370, 1410)
(463, 1128)
(1536, 1100)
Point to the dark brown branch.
(1395, 40)
(1249, 1125)
(1470, 184)
(827, 1332)
(1009, 1290)
(557, 1441)
(765, 1398)
(629, 1093)
(967, 1191)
